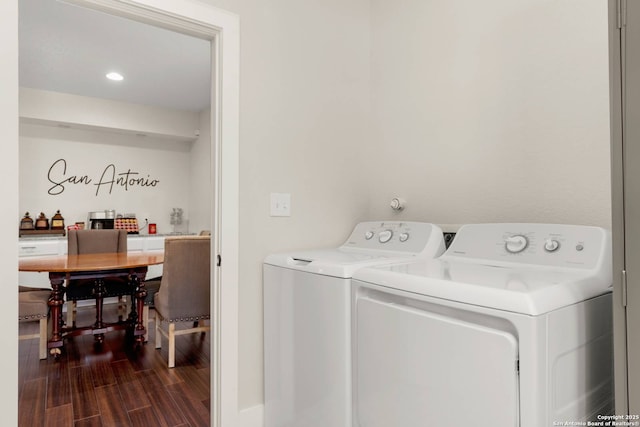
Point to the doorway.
(221, 29)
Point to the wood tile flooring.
(113, 384)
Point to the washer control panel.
(516, 243)
(536, 244)
(396, 236)
(385, 235)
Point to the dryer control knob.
(403, 237)
(368, 235)
(516, 244)
(551, 245)
(385, 236)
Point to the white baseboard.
(251, 417)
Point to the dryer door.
(416, 368)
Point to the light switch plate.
(280, 204)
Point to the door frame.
(616, 101)
(222, 29)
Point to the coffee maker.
(99, 220)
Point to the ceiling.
(70, 49)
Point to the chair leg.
(172, 345)
(122, 308)
(158, 332)
(145, 322)
(203, 323)
(172, 333)
(72, 308)
(44, 335)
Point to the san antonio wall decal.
(109, 179)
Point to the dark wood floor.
(113, 384)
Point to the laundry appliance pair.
(511, 326)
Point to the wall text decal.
(109, 179)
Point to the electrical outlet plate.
(280, 204)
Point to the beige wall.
(304, 100)
(491, 111)
(479, 111)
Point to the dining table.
(61, 269)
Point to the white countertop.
(57, 237)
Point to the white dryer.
(307, 320)
(510, 327)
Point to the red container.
(152, 229)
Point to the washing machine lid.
(526, 290)
(338, 262)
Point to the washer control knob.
(404, 237)
(385, 236)
(368, 235)
(516, 244)
(551, 245)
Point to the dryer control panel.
(536, 244)
(396, 236)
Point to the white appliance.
(510, 327)
(307, 320)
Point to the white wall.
(491, 111)
(42, 105)
(304, 108)
(101, 157)
(102, 149)
(200, 178)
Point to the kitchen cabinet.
(32, 247)
(39, 247)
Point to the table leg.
(139, 296)
(56, 301)
(99, 296)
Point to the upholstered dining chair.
(152, 286)
(94, 242)
(184, 289)
(33, 306)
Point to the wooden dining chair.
(93, 242)
(184, 289)
(33, 306)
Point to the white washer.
(510, 327)
(307, 320)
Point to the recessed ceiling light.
(115, 76)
